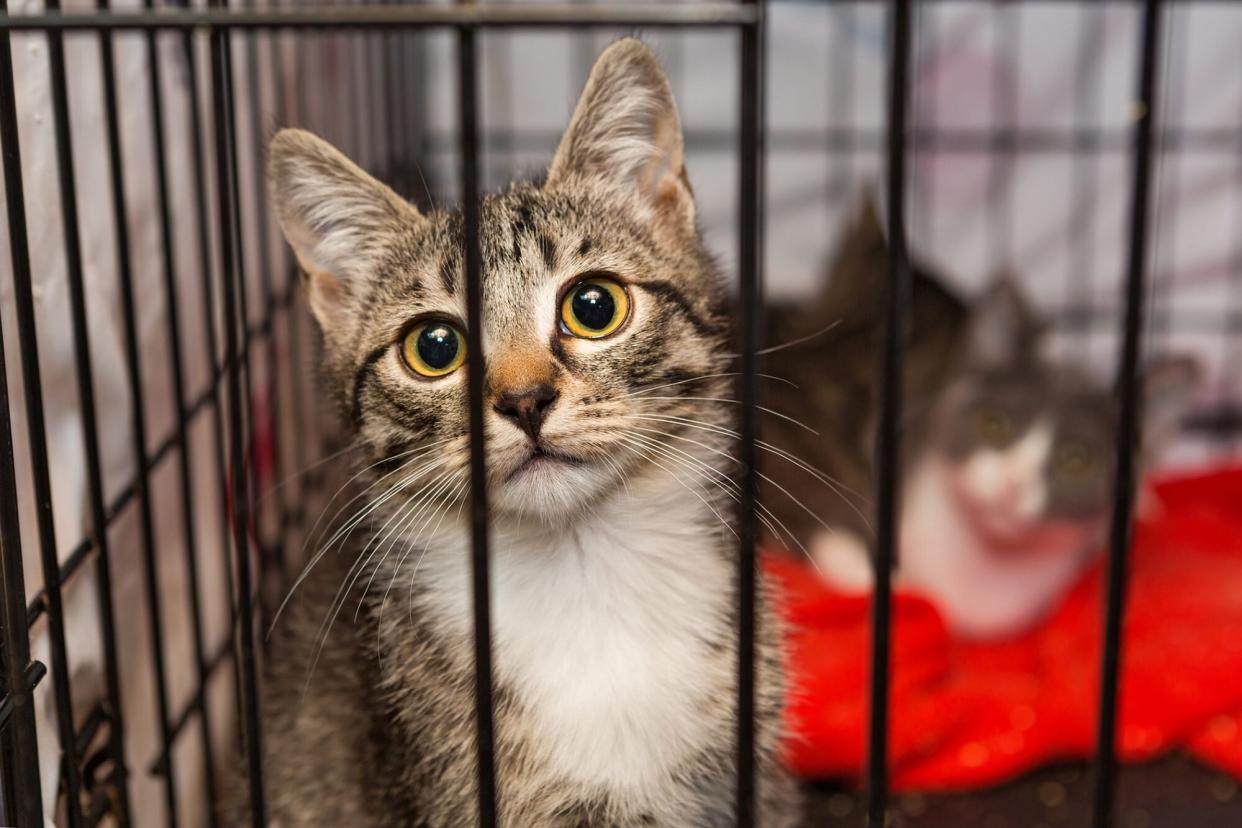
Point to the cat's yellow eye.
(434, 348)
(994, 426)
(1074, 459)
(594, 308)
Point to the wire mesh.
(250, 328)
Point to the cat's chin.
(552, 489)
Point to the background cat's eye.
(995, 426)
(1074, 459)
(594, 308)
(434, 348)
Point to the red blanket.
(969, 714)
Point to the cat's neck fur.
(613, 631)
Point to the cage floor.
(1169, 793)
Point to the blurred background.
(1019, 162)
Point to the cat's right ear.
(337, 219)
(625, 140)
(1003, 330)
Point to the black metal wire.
(215, 371)
(1084, 184)
(861, 140)
(1128, 427)
(20, 803)
(402, 137)
(336, 18)
(750, 296)
(34, 408)
(176, 358)
(137, 403)
(472, 257)
(273, 550)
(239, 494)
(888, 431)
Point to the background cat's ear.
(1004, 330)
(1170, 382)
(866, 232)
(336, 218)
(625, 137)
(856, 270)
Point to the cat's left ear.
(1003, 330)
(625, 138)
(338, 220)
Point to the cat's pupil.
(437, 346)
(594, 307)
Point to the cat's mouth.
(542, 457)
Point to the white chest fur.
(602, 630)
(982, 592)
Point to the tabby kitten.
(606, 327)
(1007, 466)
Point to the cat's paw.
(842, 559)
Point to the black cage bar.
(258, 528)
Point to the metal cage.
(245, 344)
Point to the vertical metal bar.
(239, 265)
(133, 373)
(394, 103)
(750, 295)
(274, 551)
(1085, 170)
(221, 91)
(207, 296)
(1003, 107)
(34, 391)
(22, 800)
(1128, 431)
(173, 318)
(888, 431)
(923, 180)
(841, 87)
(472, 256)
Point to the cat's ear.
(1003, 329)
(866, 232)
(625, 138)
(337, 219)
(1170, 382)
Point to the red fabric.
(966, 714)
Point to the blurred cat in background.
(1007, 453)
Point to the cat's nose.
(528, 408)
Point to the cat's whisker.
(814, 471)
(364, 556)
(406, 513)
(409, 456)
(733, 490)
(336, 455)
(397, 532)
(415, 542)
(793, 342)
(323, 550)
(764, 409)
(371, 506)
(832, 484)
(724, 483)
(647, 454)
(650, 388)
(355, 572)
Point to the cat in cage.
(607, 329)
(1007, 466)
